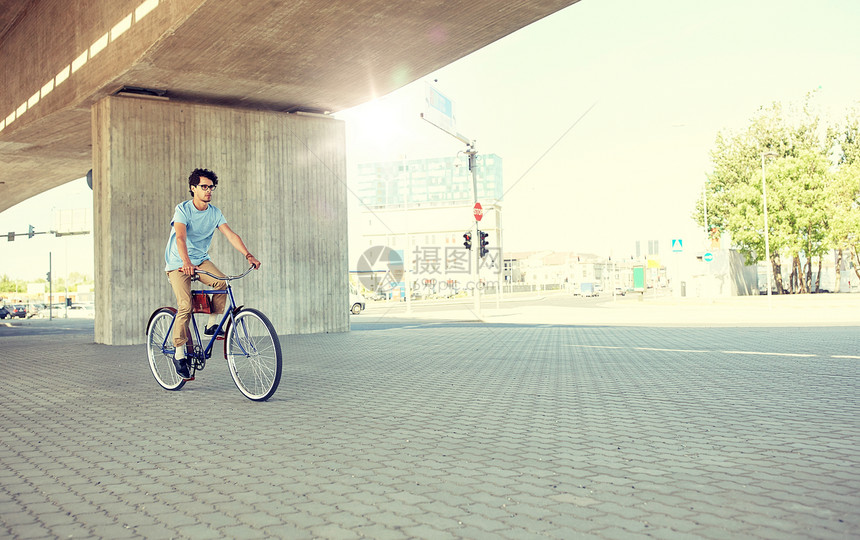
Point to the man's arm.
(237, 243)
(182, 247)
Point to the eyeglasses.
(207, 187)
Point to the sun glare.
(378, 124)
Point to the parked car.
(81, 311)
(18, 310)
(356, 303)
(4, 312)
(619, 291)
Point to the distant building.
(442, 181)
(422, 208)
(568, 270)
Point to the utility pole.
(440, 113)
(473, 167)
(50, 291)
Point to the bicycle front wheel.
(253, 354)
(159, 348)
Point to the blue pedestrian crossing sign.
(677, 245)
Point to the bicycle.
(251, 345)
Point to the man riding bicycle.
(193, 225)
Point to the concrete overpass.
(225, 79)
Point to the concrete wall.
(726, 275)
(744, 278)
(282, 188)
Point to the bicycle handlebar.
(225, 278)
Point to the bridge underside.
(60, 58)
(144, 91)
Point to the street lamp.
(769, 266)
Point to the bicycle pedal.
(220, 337)
(188, 379)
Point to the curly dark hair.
(196, 174)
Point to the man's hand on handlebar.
(188, 269)
(254, 262)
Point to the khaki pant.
(181, 284)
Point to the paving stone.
(73, 530)
(94, 519)
(198, 531)
(424, 531)
(243, 532)
(259, 520)
(528, 523)
(113, 530)
(481, 522)
(382, 532)
(717, 533)
(19, 518)
(436, 521)
(576, 523)
(334, 532)
(530, 510)
(561, 534)
(390, 519)
(55, 518)
(28, 530)
(216, 519)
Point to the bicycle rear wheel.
(159, 348)
(253, 354)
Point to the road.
(538, 298)
(557, 307)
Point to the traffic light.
(484, 243)
(10, 237)
(48, 277)
(31, 232)
(468, 243)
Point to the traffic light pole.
(476, 244)
(50, 291)
(472, 153)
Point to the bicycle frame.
(228, 314)
(206, 350)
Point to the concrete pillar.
(281, 187)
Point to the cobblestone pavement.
(443, 430)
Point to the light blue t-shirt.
(199, 226)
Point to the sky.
(604, 114)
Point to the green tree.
(843, 199)
(848, 138)
(8, 285)
(797, 181)
(734, 189)
(801, 221)
(843, 207)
